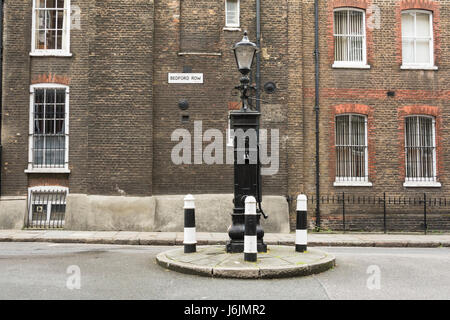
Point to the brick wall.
(123, 111)
(16, 84)
(120, 98)
(175, 40)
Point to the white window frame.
(355, 181)
(232, 26)
(352, 64)
(52, 52)
(416, 182)
(420, 66)
(49, 190)
(31, 168)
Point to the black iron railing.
(386, 212)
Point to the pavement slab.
(211, 238)
(130, 238)
(157, 238)
(103, 237)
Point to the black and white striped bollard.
(250, 238)
(190, 240)
(301, 233)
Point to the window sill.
(231, 29)
(350, 66)
(352, 184)
(218, 54)
(422, 184)
(47, 170)
(50, 54)
(12, 198)
(412, 67)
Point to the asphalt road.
(40, 271)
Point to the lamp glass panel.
(244, 56)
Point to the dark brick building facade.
(123, 110)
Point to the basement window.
(46, 207)
(51, 28)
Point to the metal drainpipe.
(1, 88)
(258, 55)
(317, 109)
(258, 94)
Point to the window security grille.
(49, 136)
(349, 36)
(351, 148)
(420, 149)
(417, 38)
(46, 208)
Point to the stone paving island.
(278, 262)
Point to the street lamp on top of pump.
(244, 53)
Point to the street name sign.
(185, 77)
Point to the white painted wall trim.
(422, 184)
(47, 53)
(46, 170)
(231, 29)
(418, 67)
(352, 184)
(349, 65)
